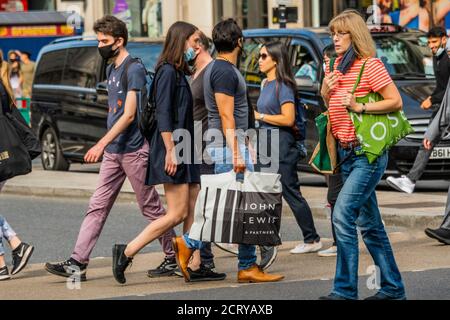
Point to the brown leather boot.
(182, 255)
(255, 274)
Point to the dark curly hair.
(112, 26)
(226, 35)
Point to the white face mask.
(439, 52)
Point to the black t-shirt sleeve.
(224, 80)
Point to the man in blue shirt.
(124, 151)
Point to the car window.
(81, 67)
(405, 56)
(148, 52)
(50, 68)
(303, 62)
(249, 64)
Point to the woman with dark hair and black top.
(276, 110)
(174, 111)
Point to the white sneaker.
(307, 248)
(330, 252)
(403, 184)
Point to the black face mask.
(107, 52)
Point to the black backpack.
(299, 127)
(147, 121)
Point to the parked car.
(69, 98)
(407, 59)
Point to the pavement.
(419, 210)
(424, 264)
(31, 201)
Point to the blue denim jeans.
(223, 160)
(357, 206)
(5, 232)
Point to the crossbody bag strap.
(358, 80)
(332, 61)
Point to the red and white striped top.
(374, 78)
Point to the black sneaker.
(4, 274)
(206, 274)
(381, 296)
(120, 262)
(20, 256)
(332, 296)
(165, 269)
(67, 269)
(441, 235)
(268, 256)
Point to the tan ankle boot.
(255, 274)
(182, 255)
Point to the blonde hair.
(4, 76)
(351, 21)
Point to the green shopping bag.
(378, 132)
(324, 157)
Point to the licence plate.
(441, 153)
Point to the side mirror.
(102, 88)
(306, 83)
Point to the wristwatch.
(364, 108)
(261, 116)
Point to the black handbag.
(14, 157)
(29, 139)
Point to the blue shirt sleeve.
(165, 90)
(285, 94)
(136, 77)
(224, 80)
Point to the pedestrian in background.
(174, 111)
(226, 100)
(124, 150)
(16, 79)
(28, 68)
(437, 42)
(334, 181)
(357, 203)
(206, 271)
(21, 252)
(276, 110)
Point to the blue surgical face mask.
(189, 55)
(439, 52)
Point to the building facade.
(152, 18)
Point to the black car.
(69, 100)
(406, 57)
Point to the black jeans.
(206, 254)
(335, 184)
(289, 155)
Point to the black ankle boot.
(120, 262)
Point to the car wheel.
(52, 157)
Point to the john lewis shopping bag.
(243, 212)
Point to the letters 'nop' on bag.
(230, 211)
(378, 132)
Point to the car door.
(307, 69)
(85, 114)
